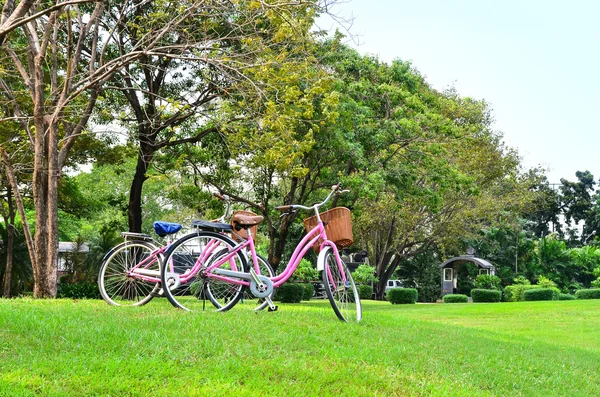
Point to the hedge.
(309, 291)
(514, 293)
(365, 291)
(565, 297)
(592, 293)
(486, 295)
(78, 291)
(402, 295)
(289, 293)
(456, 298)
(541, 294)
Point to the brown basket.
(243, 234)
(338, 226)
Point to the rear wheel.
(119, 284)
(340, 289)
(187, 284)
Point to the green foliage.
(456, 298)
(591, 293)
(522, 280)
(565, 297)
(402, 295)
(541, 294)
(305, 273)
(290, 293)
(488, 281)
(364, 275)
(544, 282)
(486, 295)
(514, 293)
(78, 291)
(309, 291)
(365, 292)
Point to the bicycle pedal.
(273, 310)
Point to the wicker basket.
(338, 226)
(242, 235)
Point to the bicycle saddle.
(214, 226)
(165, 228)
(246, 221)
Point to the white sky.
(536, 62)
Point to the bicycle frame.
(307, 242)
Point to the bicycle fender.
(321, 258)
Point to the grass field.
(87, 348)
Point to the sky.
(537, 63)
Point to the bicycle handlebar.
(335, 189)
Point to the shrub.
(365, 291)
(289, 293)
(364, 274)
(591, 293)
(545, 282)
(565, 297)
(541, 294)
(485, 295)
(309, 291)
(305, 272)
(488, 281)
(514, 293)
(456, 298)
(78, 291)
(402, 295)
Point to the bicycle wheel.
(342, 295)
(265, 270)
(184, 272)
(118, 285)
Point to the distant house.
(65, 249)
(451, 266)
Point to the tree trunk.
(135, 194)
(9, 221)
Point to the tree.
(61, 57)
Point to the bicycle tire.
(182, 256)
(117, 287)
(343, 296)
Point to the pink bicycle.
(208, 264)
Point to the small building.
(451, 266)
(65, 249)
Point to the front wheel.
(340, 288)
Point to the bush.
(402, 295)
(78, 291)
(541, 294)
(309, 291)
(289, 293)
(456, 298)
(364, 291)
(488, 281)
(591, 293)
(364, 274)
(514, 293)
(485, 295)
(565, 297)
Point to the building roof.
(469, 258)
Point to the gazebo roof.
(469, 258)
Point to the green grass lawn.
(87, 348)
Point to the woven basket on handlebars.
(338, 226)
(242, 235)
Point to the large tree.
(55, 63)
